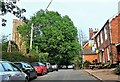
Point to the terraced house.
(107, 41)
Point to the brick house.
(107, 41)
(88, 53)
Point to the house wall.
(113, 37)
(90, 57)
(115, 30)
(103, 45)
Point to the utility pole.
(9, 49)
(31, 37)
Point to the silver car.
(11, 73)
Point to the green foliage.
(43, 57)
(18, 57)
(86, 64)
(117, 70)
(53, 34)
(14, 57)
(77, 62)
(4, 46)
(14, 47)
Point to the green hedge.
(14, 57)
(18, 57)
(117, 70)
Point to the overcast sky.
(84, 13)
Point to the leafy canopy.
(54, 34)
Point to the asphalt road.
(69, 74)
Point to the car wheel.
(35, 76)
(42, 72)
(26, 80)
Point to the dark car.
(9, 72)
(40, 67)
(27, 68)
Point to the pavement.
(104, 75)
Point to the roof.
(85, 45)
(88, 51)
(117, 44)
(100, 29)
(108, 21)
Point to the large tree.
(54, 34)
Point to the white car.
(11, 73)
(55, 67)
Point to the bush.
(86, 64)
(117, 70)
(14, 56)
(18, 57)
(77, 62)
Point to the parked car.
(10, 73)
(27, 68)
(40, 68)
(49, 67)
(70, 66)
(55, 67)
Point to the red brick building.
(88, 53)
(107, 41)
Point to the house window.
(98, 41)
(105, 32)
(101, 38)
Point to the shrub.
(18, 57)
(86, 64)
(77, 62)
(14, 56)
(117, 70)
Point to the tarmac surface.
(69, 74)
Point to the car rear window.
(7, 67)
(1, 68)
(41, 64)
(35, 64)
(18, 65)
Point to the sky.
(85, 14)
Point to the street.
(69, 74)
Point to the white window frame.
(105, 32)
(101, 37)
(98, 41)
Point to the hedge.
(14, 57)
(18, 57)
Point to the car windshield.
(18, 65)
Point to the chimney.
(90, 33)
(95, 31)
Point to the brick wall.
(119, 28)
(115, 29)
(90, 58)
